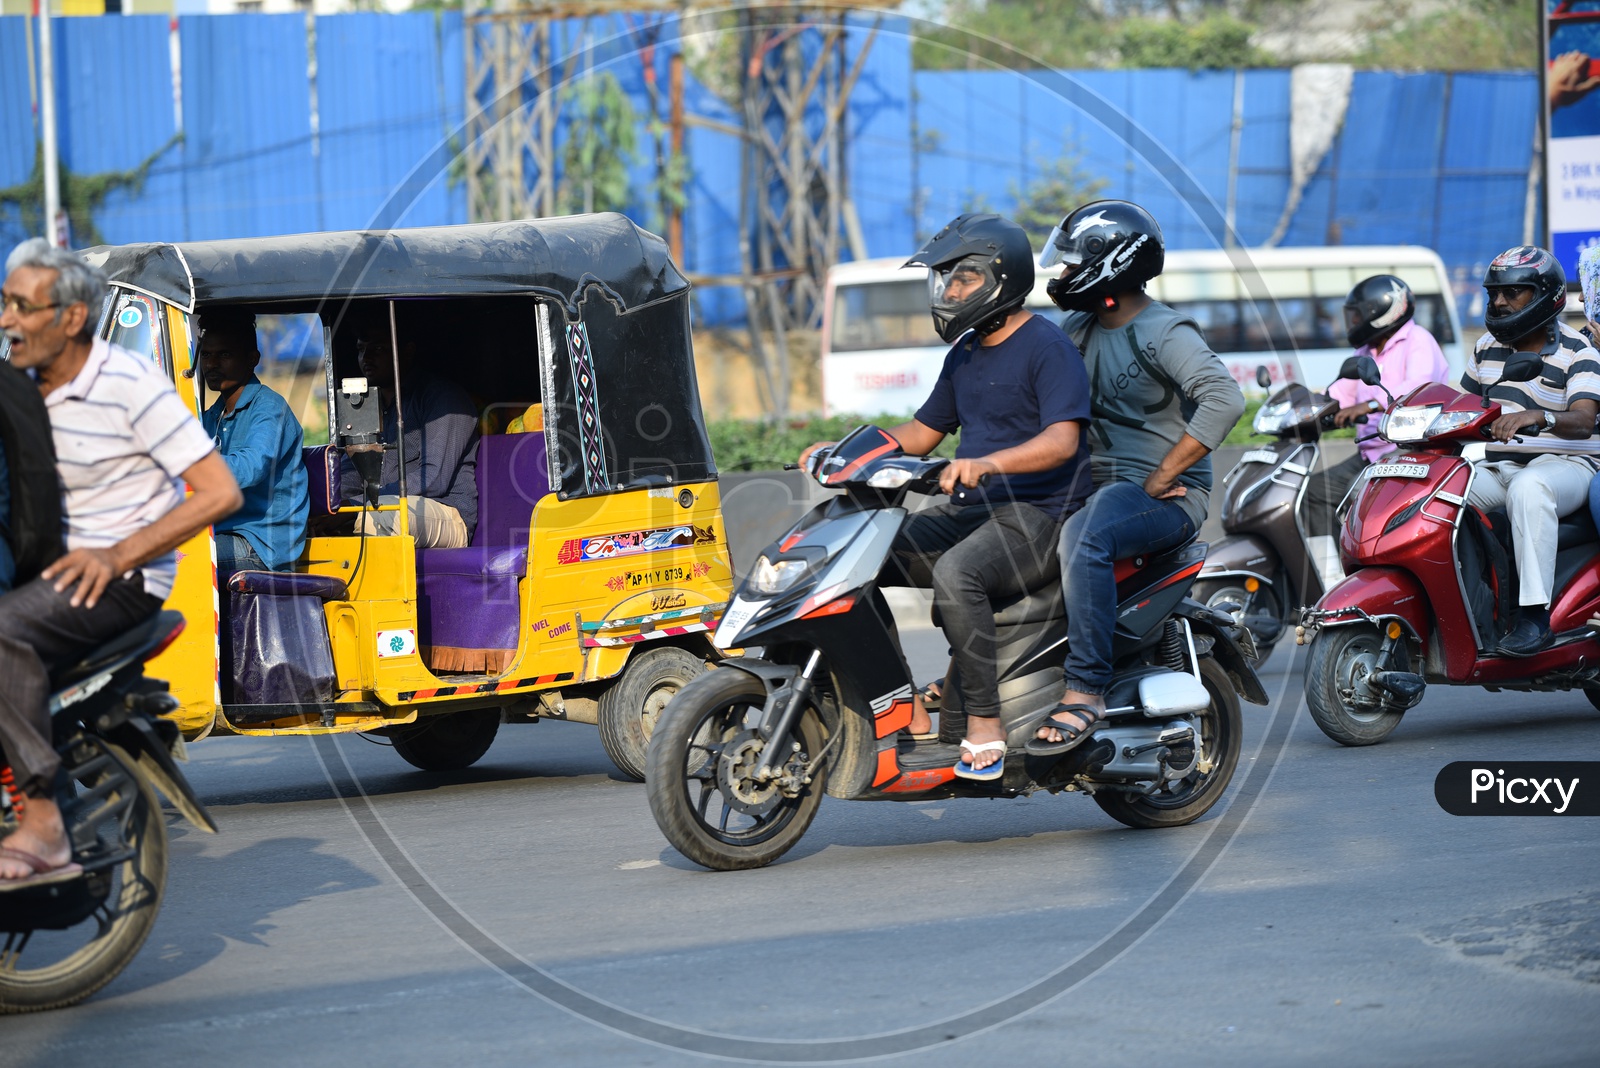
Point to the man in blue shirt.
(1014, 386)
(260, 440)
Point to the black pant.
(1326, 490)
(970, 555)
(40, 631)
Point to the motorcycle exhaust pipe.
(1402, 684)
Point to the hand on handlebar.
(809, 449)
(969, 473)
(1507, 427)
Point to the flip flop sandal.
(1072, 735)
(965, 770)
(43, 873)
(932, 695)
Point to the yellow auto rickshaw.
(599, 561)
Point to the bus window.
(1431, 316)
(1218, 321)
(136, 326)
(882, 315)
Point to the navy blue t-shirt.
(1004, 395)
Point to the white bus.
(880, 353)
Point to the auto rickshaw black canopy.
(558, 258)
(615, 361)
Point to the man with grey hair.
(125, 445)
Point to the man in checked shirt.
(1537, 480)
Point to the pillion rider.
(1014, 386)
(1162, 401)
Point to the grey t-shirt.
(1150, 382)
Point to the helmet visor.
(1059, 249)
(963, 282)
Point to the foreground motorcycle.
(64, 941)
(1266, 563)
(1430, 591)
(742, 755)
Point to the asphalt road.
(1348, 919)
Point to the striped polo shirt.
(1571, 373)
(123, 440)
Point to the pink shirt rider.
(1410, 359)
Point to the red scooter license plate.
(1398, 471)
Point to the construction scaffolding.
(794, 79)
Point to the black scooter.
(741, 757)
(65, 940)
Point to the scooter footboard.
(1372, 595)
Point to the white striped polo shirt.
(1571, 373)
(123, 440)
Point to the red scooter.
(1430, 591)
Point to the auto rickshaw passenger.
(260, 439)
(125, 446)
(441, 445)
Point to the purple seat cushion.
(322, 477)
(513, 473)
(467, 604)
(288, 584)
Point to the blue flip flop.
(965, 770)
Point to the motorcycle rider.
(1014, 386)
(1537, 480)
(1379, 323)
(1162, 401)
(125, 445)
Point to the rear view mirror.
(1361, 368)
(1263, 377)
(1522, 367)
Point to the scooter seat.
(1035, 606)
(1576, 529)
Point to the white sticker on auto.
(396, 643)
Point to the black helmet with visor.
(1381, 304)
(980, 270)
(1524, 266)
(1112, 246)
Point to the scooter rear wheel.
(1336, 693)
(700, 775)
(1266, 598)
(1185, 800)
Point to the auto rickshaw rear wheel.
(448, 742)
(629, 709)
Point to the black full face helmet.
(1112, 246)
(1378, 305)
(1525, 265)
(980, 270)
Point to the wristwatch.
(1549, 420)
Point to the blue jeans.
(235, 553)
(1120, 520)
(1594, 500)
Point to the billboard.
(1572, 127)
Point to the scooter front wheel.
(1343, 705)
(701, 779)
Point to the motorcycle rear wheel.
(1221, 729)
(1340, 657)
(696, 802)
(122, 921)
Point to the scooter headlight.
(1409, 423)
(1446, 422)
(890, 478)
(1275, 418)
(768, 578)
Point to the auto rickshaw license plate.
(1398, 471)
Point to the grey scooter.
(1267, 565)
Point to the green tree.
(81, 194)
(1062, 186)
(600, 145)
(1472, 35)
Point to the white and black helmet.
(1113, 246)
(1381, 304)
